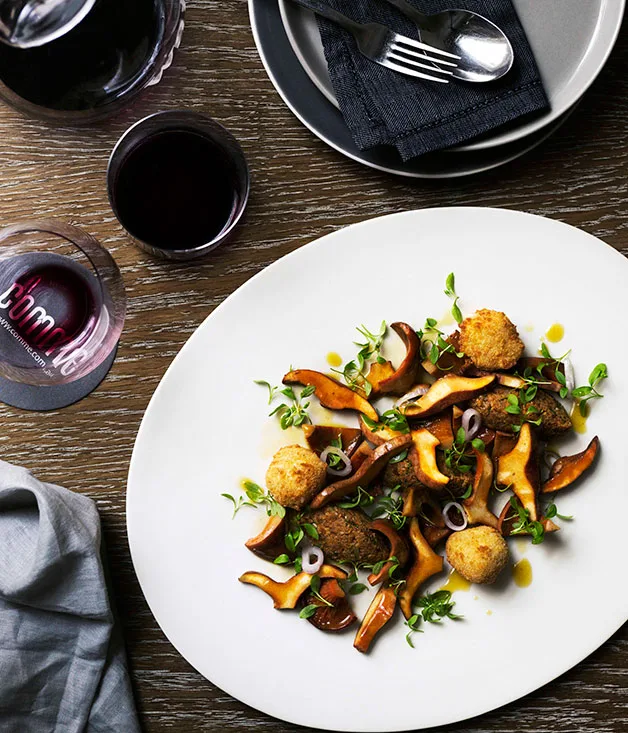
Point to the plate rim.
(517, 133)
(621, 616)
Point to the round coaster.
(43, 399)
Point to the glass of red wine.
(178, 183)
(62, 304)
(118, 49)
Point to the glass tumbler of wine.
(62, 310)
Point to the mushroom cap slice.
(519, 470)
(330, 393)
(270, 541)
(286, 594)
(378, 434)
(319, 437)
(365, 473)
(398, 549)
(507, 518)
(446, 392)
(426, 563)
(336, 617)
(568, 469)
(423, 459)
(476, 506)
(377, 616)
(403, 377)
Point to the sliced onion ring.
(471, 423)
(455, 527)
(310, 566)
(346, 468)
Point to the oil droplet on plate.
(475, 598)
(522, 573)
(489, 612)
(555, 333)
(455, 582)
(577, 420)
(521, 544)
(529, 327)
(273, 438)
(334, 359)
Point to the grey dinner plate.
(318, 114)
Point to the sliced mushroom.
(331, 394)
(519, 471)
(440, 427)
(434, 535)
(319, 437)
(365, 474)
(286, 595)
(413, 499)
(569, 468)
(507, 519)
(503, 443)
(378, 373)
(336, 617)
(270, 541)
(423, 459)
(403, 377)
(416, 391)
(426, 563)
(476, 506)
(398, 549)
(456, 419)
(362, 453)
(510, 380)
(445, 392)
(377, 616)
(379, 434)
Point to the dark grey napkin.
(62, 662)
(382, 107)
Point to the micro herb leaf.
(237, 503)
(357, 588)
(434, 607)
(551, 511)
(281, 559)
(311, 531)
(458, 458)
(523, 525)
(413, 624)
(295, 414)
(272, 391)
(468, 492)
(395, 420)
(309, 611)
(450, 290)
(590, 391)
(399, 457)
(389, 506)
(362, 498)
(258, 496)
(315, 584)
(354, 372)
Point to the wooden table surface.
(301, 190)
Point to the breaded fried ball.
(490, 340)
(479, 554)
(295, 476)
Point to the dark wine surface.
(176, 190)
(93, 64)
(47, 301)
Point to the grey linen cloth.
(62, 661)
(384, 107)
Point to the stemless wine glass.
(119, 48)
(62, 303)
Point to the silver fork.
(392, 50)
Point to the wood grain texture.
(301, 190)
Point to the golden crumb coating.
(479, 554)
(490, 340)
(295, 476)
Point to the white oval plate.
(571, 40)
(207, 427)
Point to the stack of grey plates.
(571, 40)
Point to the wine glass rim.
(209, 128)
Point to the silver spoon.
(28, 23)
(484, 50)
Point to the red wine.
(176, 190)
(48, 310)
(94, 64)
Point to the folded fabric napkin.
(62, 662)
(383, 107)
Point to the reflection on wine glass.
(62, 303)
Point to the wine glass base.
(43, 399)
